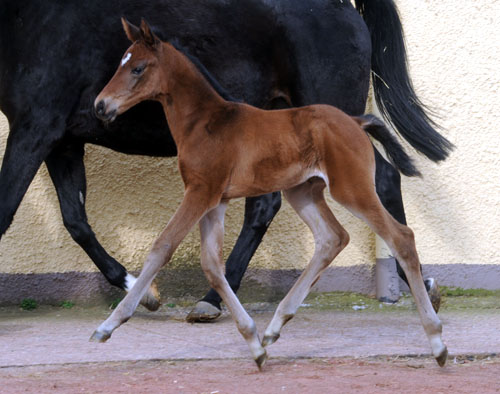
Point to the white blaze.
(126, 59)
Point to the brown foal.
(228, 150)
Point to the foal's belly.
(256, 184)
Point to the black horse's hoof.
(151, 300)
(434, 294)
(203, 312)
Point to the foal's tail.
(377, 129)
(393, 89)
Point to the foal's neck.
(189, 96)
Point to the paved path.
(51, 336)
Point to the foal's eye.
(138, 70)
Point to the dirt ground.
(325, 375)
(337, 343)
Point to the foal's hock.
(228, 150)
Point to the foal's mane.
(203, 70)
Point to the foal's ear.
(148, 36)
(133, 32)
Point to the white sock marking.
(129, 282)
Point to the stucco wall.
(454, 57)
(454, 209)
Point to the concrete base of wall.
(258, 285)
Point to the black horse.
(269, 53)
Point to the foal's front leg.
(259, 212)
(193, 207)
(212, 236)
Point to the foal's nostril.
(99, 108)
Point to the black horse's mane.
(203, 70)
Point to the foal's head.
(138, 76)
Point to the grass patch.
(114, 303)
(67, 304)
(344, 301)
(456, 298)
(459, 292)
(453, 299)
(29, 304)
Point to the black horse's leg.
(388, 183)
(67, 171)
(27, 146)
(259, 212)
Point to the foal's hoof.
(203, 312)
(261, 360)
(434, 294)
(151, 299)
(441, 359)
(269, 339)
(99, 337)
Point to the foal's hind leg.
(358, 195)
(388, 183)
(212, 235)
(330, 238)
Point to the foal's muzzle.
(103, 113)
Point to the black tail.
(394, 92)
(377, 129)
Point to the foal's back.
(276, 150)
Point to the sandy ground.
(378, 349)
(325, 375)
